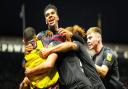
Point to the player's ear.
(58, 18)
(99, 37)
(46, 21)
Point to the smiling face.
(51, 18)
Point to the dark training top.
(70, 69)
(107, 57)
(89, 67)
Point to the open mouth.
(51, 21)
(89, 45)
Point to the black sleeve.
(109, 58)
(85, 57)
(77, 37)
(82, 49)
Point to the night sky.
(82, 12)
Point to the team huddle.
(57, 58)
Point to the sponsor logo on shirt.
(109, 57)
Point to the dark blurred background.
(18, 14)
(83, 12)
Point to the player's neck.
(54, 28)
(99, 48)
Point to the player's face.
(31, 43)
(51, 17)
(92, 40)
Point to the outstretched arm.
(43, 67)
(61, 48)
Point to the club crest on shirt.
(109, 57)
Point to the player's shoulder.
(109, 51)
(41, 34)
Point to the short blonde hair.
(94, 30)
